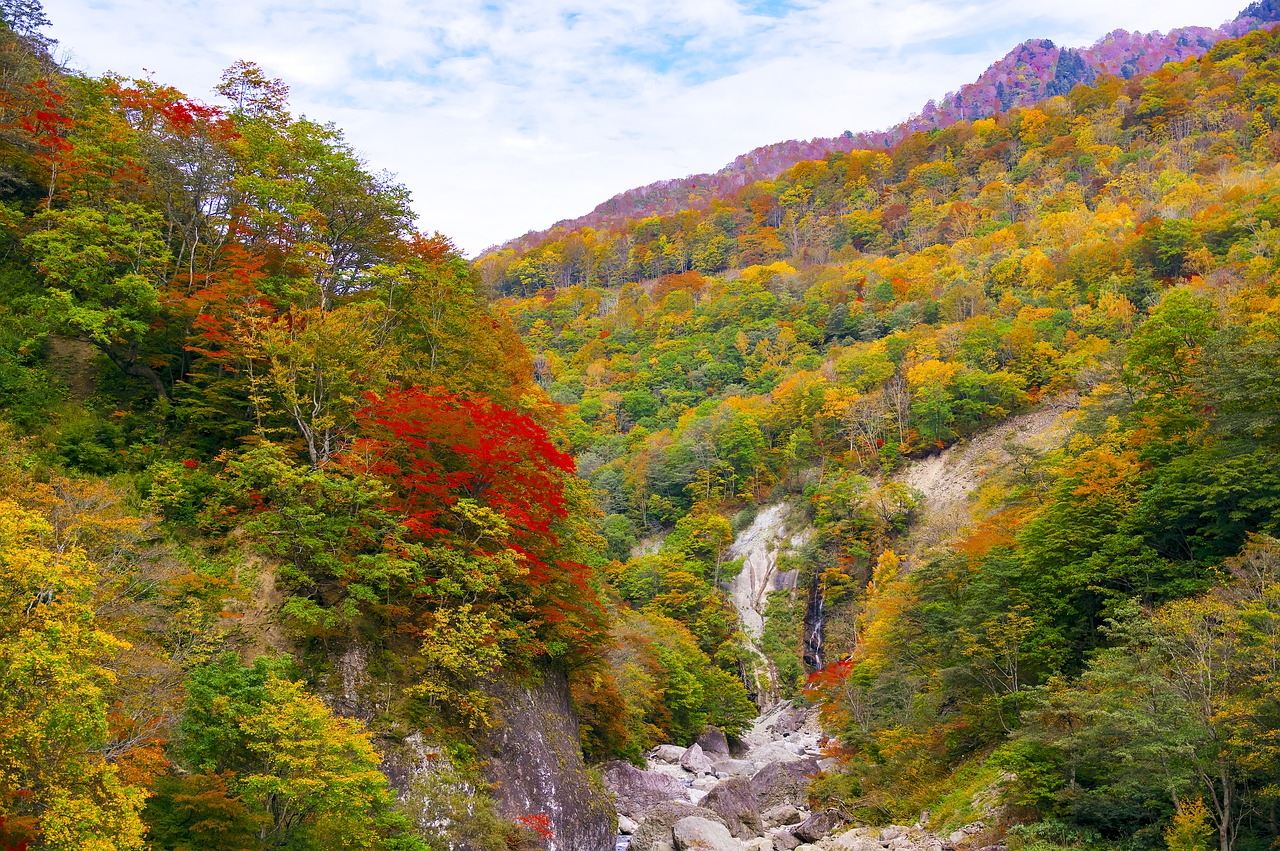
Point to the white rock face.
(758, 547)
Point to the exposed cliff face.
(532, 758)
(759, 547)
(535, 763)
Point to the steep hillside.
(289, 557)
(985, 622)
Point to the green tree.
(312, 777)
(103, 276)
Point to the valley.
(915, 490)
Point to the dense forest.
(1102, 632)
(251, 416)
(255, 426)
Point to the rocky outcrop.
(637, 792)
(713, 741)
(735, 800)
(534, 762)
(656, 833)
(532, 756)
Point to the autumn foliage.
(436, 448)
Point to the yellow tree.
(55, 783)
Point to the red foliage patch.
(540, 824)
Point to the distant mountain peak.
(1031, 71)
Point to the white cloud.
(505, 116)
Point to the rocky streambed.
(749, 796)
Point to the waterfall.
(814, 620)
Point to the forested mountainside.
(280, 502)
(1030, 72)
(314, 535)
(1094, 642)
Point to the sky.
(505, 116)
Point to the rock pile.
(718, 796)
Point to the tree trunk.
(131, 366)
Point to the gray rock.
(654, 833)
(533, 758)
(626, 825)
(712, 740)
(637, 792)
(784, 840)
(704, 784)
(760, 843)
(695, 760)
(781, 814)
(775, 752)
(892, 832)
(699, 834)
(790, 721)
(669, 754)
(727, 767)
(735, 800)
(855, 843)
(817, 825)
(784, 783)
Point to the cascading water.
(814, 620)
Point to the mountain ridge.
(1032, 70)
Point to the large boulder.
(817, 825)
(695, 760)
(728, 767)
(781, 814)
(655, 832)
(637, 792)
(669, 754)
(784, 840)
(735, 800)
(699, 834)
(784, 783)
(713, 741)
